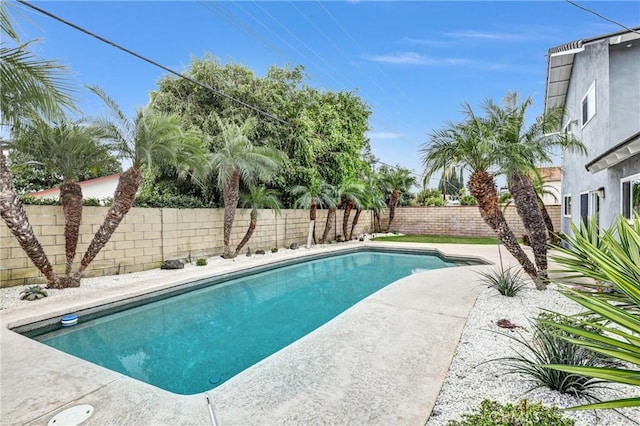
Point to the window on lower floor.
(630, 196)
(566, 206)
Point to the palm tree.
(65, 148)
(30, 88)
(151, 138)
(316, 194)
(238, 160)
(339, 194)
(351, 198)
(257, 197)
(519, 149)
(396, 181)
(470, 144)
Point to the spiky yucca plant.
(614, 259)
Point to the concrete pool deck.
(383, 361)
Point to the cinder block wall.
(147, 236)
(461, 221)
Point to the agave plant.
(614, 258)
(33, 292)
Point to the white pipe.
(212, 415)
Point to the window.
(630, 196)
(590, 206)
(566, 206)
(589, 104)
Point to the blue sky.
(413, 62)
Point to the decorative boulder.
(294, 246)
(259, 251)
(172, 264)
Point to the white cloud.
(487, 35)
(413, 58)
(384, 135)
(426, 42)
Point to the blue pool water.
(195, 341)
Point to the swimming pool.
(195, 341)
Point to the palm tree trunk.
(377, 227)
(123, 198)
(553, 237)
(252, 226)
(230, 196)
(345, 220)
(482, 187)
(328, 224)
(526, 201)
(311, 237)
(15, 216)
(393, 202)
(71, 196)
(355, 222)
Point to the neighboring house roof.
(560, 64)
(550, 174)
(87, 185)
(616, 154)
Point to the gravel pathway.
(471, 378)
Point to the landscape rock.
(172, 264)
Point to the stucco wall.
(148, 236)
(615, 69)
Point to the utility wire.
(139, 56)
(602, 16)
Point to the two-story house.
(597, 83)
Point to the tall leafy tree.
(470, 144)
(315, 129)
(396, 181)
(256, 197)
(31, 88)
(316, 194)
(66, 148)
(150, 138)
(519, 149)
(239, 161)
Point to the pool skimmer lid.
(72, 416)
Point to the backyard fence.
(147, 236)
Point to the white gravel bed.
(471, 379)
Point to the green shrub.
(91, 202)
(508, 282)
(423, 196)
(525, 413)
(30, 200)
(170, 201)
(33, 292)
(201, 262)
(468, 200)
(435, 201)
(274, 250)
(548, 346)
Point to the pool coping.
(341, 373)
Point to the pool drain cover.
(72, 416)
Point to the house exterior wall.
(99, 188)
(616, 72)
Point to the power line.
(139, 56)
(602, 16)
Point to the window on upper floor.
(566, 206)
(589, 104)
(630, 187)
